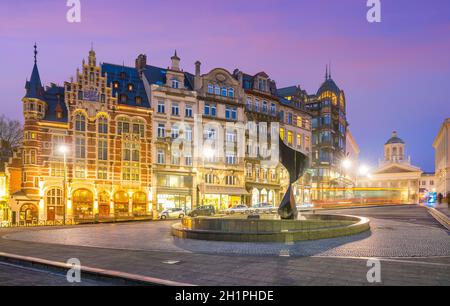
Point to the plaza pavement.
(413, 248)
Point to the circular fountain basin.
(269, 229)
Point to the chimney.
(141, 62)
(197, 68)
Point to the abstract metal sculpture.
(295, 162)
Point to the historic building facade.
(442, 158)
(395, 179)
(129, 142)
(220, 170)
(86, 144)
(329, 129)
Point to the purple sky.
(396, 74)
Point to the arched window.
(224, 91)
(175, 83)
(80, 122)
(103, 125)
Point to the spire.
(329, 73)
(35, 53)
(175, 56)
(34, 86)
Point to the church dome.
(395, 139)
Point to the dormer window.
(130, 87)
(116, 85)
(123, 98)
(123, 75)
(138, 100)
(175, 83)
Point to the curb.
(440, 217)
(116, 277)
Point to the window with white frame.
(80, 122)
(175, 109)
(161, 107)
(161, 130)
(161, 157)
(103, 125)
(188, 111)
(80, 147)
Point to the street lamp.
(63, 149)
(346, 164)
(363, 170)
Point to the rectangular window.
(188, 112)
(161, 107)
(290, 138)
(290, 118)
(57, 169)
(161, 157)
(175, 132)
(264, 107)
(161, 130)
(102, 149)
(80, 170)
(80, 148)
(231, 113)
(299, 140)
(210, 89)
(188, 160)
(299, 121)
(231, 159)
(175, 109)
(282, 133)
(188, 133)
(102, 173)
(273, 109)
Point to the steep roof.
(125, 76)
(54, 97)
(156, 75)
(34, 87)
(328, 85)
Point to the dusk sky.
(396, 74)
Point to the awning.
(225, 190)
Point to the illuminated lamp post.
(63, 149)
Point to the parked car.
(263, 208)
(172, 213)
(237, 209)
(206, 210)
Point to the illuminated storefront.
(174, 191)
(222, 197)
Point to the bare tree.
(11, 136)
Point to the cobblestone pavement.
(404, 233)
(13, 275)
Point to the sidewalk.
(443, 208)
